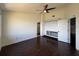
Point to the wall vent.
(52, 34)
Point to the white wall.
(65, 13)
(63, 30)
(19, 26)
(51, 26)
(60, 25)
(73, 10)
(42, 25)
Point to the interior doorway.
(38, 29)
(73, 32)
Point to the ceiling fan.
(46, 10)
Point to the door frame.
(69, 27)
(70, 31)
(39, 29)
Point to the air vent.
(52, 34)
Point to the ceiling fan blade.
(46, 7)
(47, 11)
(51, 8)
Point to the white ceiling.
(29, 7)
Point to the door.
(73, 31)
(38, 29)
(63, 30)
(0, 31)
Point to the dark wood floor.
(41, 46)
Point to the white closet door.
(63, 30)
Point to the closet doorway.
(73, 32)
(38, 29)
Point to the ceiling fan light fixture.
(44, 11)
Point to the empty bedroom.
(39, 29)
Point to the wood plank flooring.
(40, 46)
